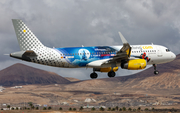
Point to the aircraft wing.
(124, 53)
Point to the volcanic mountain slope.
(168, 77)
(20, 74)
(72, 79)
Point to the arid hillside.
(20, 74)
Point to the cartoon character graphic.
(84, 57)
(84, 54)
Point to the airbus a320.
(100, 58)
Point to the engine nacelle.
(134, 64)
(108, 69)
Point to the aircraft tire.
(111, 74)
(156, 72)
(93, 75)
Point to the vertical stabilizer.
(26, 39)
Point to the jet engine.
(134, 64)
(108, 69)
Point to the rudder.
(26, 39)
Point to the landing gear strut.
(111, 74)
(93, 75)
(156, 72)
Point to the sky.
(71, 23)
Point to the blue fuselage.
(81, 56)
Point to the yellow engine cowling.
(134, 64)
(108, 69)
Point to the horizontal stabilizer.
(30, 53)
(24, 55)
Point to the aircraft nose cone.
(173, 56)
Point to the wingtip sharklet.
(122, 38)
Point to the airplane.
(101, 58)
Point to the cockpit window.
(167, 50)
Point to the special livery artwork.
(81, 56)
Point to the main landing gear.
(111, 74)
(156, 72)
(93, 75)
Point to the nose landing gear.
(156, 72)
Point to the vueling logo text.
(147, 47)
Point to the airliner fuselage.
(73, 57)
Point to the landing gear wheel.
(156, 72)
(111, 74)
(94, 75)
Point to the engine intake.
(136, 64)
